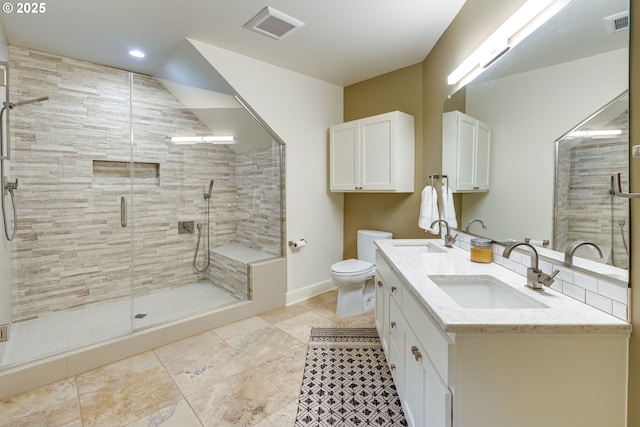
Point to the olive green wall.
(418, 90)
(400, 90)
(423, 99)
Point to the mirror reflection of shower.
(585, 205)
(207, 198)
(10, 187)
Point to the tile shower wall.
(68, 154)
(585, 167)
(259, 189)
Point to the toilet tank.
(366, 247)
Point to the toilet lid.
(351, 266)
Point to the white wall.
(300, 110)
(527, 112)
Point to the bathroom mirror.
(560, 78)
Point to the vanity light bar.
(523, 22)
(594, 133)
(209, 139)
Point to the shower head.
(208, 195)
(11, 105)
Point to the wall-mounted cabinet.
(466, 152)
(374, 154)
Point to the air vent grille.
(621, 23)
(273, 23)
(617, 22)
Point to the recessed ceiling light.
(136, 53)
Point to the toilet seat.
(352, 267)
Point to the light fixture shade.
(523, 22)
(207, 139)
(604, 133)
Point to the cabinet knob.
(393, 366)
(380, 283)
(393, 325)
(416, 353)
(393, 289)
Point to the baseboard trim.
(310, 291)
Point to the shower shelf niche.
(144, 172)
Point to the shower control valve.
(10, 186)
(185, 227)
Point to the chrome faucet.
(568, 253)
(535, 277)
(449, 240)
(484, 227)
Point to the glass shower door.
(71, 260)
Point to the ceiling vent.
(273, 23)
(617, 22)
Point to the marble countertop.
(563, 315)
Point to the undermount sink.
(418, 247)
(481, 291)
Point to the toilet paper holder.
(298, 243)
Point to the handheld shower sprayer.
(207, 198)
(208, 194)
(11, 105)
(9, 187)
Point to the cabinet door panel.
(466, 153)
(344, 169)
(382, 312)
(437, 398)
(414, 384)
(377, 155)
(483, 148)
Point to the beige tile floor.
(244, 374)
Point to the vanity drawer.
(391, 279)
(438, 346)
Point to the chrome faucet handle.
(449, 240)
(547, 279)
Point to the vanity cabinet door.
(427, 400)
(382, 312)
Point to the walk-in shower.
(9, 187)
(85, 271)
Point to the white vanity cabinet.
(466, 152)
(373, 154)
(425, 396)
(516, 377)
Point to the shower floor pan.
(55, 333)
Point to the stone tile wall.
(71, 250)
(583, 200)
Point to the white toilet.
(354, 278)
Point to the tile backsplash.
(609, 295)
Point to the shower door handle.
(123, 211)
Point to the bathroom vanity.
(469, 345)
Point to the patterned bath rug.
(347, 381)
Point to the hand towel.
(448, 209)
(429, 210)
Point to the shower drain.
(140, 315)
